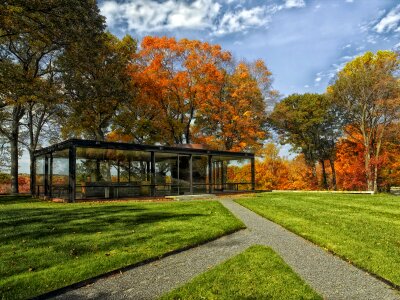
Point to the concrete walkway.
(330, 276)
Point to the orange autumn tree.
(236, 118)
(187, 91)
(367, 91)
(351, 164)
(175, 78)
(274, 172)
(350, 168)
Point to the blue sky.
(303, 42)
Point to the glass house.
(84, 169)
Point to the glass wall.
(40, 174)
(238, 174)
(231, 174)
(166, 174)
(200, 174)
(59, 174)
(111, 173)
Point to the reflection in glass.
(40, 173)
(59, 174)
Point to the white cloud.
(294, 3)
(346, 46)
(390, 22)
(147, 16)
(318, 79)
(349, 1)
(242, 20)
(151, 15)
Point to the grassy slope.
(363, 229)
(45, 246)
(257, 273)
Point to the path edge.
(392, 285)
(94, 279)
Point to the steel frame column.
(153, 173)
(210, 175)
(72, 174)
(51, 176)
(191, 174)
(46, 175)
(178, 174)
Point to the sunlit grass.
(363, 229)
(257, 273)
(45, 246)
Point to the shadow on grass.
(44, 223)
(17, 199)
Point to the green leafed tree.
(96, 85)
(367, 91)
(32, 34)
(310, 123)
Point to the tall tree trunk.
(332, 163)
(367, 156)
(324, 180)
(17, 114)
(377, 153)
(14, 162)
(314, 174)
(368, 173)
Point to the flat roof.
(137, 147)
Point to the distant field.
(257, 273)
(45, 246)
(363, 229)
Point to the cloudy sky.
(303, 42)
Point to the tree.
(175, 79)
(96, 85)
(310, 124)
(367, 91)
(32, 33)
(350, 164)
(236, 118)
(272, 172)
(40, 121)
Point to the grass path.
(45, 246)
(257, 273)
(363, 229)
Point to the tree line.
(360, 112)
(62, 75)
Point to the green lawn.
(257, 273)
(45, 246)
(363, 229)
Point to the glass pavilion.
(84, 169)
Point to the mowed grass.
(363, 229)
(257, 273)
(45, 246)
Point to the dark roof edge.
(138, 147)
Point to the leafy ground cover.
(363, 229)
(45, 246)
(257, 273)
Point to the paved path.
(330, 276)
